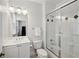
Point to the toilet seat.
(41, 53)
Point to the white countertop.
(15, 41)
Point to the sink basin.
(16, 40)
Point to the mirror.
(19, 22)
(20, 27)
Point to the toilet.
(42, 53)
(37, 44)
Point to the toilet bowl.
(42, 53)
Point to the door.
(11, 52)
(52, 29)
(24, 50)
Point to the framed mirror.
(19, 22)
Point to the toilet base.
(41, 53)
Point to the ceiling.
(38, 1)
(49, 1)
(50, 4)
(43, 1)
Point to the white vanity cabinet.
(24, 51)
(11, 51)
(17, 51)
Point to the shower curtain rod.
(62, 6)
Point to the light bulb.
(24, 12)
(12, 9)
(18, 11)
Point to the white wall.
(51, 4)
(2, 3)
(0, 32)
(38, 1)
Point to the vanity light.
(18, 11)
(12, 9)
(24, 12)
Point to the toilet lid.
(42, 52)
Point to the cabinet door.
(24, 50)
(11, 52)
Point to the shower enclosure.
(62, 31)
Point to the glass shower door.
(64, 32)
(52, 35)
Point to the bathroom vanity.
(17, 44)
(17, 47)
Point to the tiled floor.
(34, 56)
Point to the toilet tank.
(37, 44)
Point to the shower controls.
(66, 18)
(76, 16)
(52, 20)
(47, 20)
